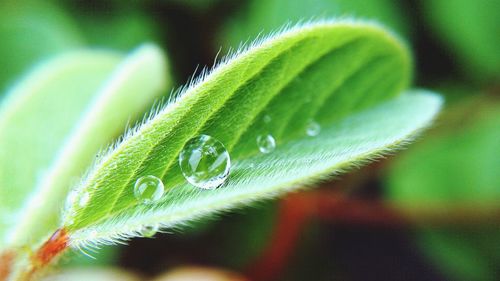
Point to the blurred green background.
(446, 185)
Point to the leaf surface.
(346, 76)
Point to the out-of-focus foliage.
(31, 31)
(36, 117)
(195, 4)
(95, 274)
(62, 147)
(456, 167)
(263, 16)
(123, 28)
(472, 31)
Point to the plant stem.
(6, 261)
(46, 254)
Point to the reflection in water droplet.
(313, 129)
(84, 199)
(205, 162)
(149, 230)
(148, 189)
(266, 143)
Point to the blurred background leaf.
(36, 117)
(456, 166)
(31, 31)
(108, 24)
(471, 30)
(263, 16)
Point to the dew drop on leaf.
(266, 143)
(313, 129)
(149, 230)
(205, 162)
(148, 189)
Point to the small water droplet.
(267, 119)
(251, 166)
(205, 162)
(313, 129)
(266, 143)
(92, 234)
(84, 199)
(149, 230)
(148, 189)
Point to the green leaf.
(345, 75)
(31, 31)
(121, 29)
(457, 166)
(259, 16)
(471, 29)
(38, 114)
(68, 110)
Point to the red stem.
(52, 248)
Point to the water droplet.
(148, 189)
(149, 230)
(251, 166)
(267, 119)
(84, 199)
(266, 143)
(205, 162)
(313, 129)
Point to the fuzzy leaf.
(345, 75)
(44, 104)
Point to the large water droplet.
(266, 143)
(149, 230)
(313, 129)
(205, 162)
(148, 189)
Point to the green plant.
(346, 78)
